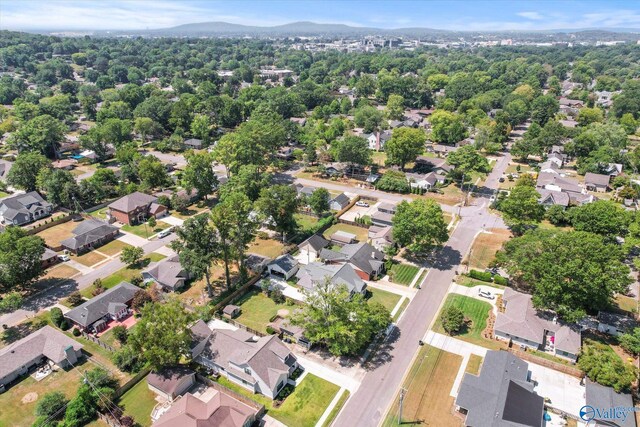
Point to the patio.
(127, 322)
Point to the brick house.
(136, 208)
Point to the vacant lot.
(427, 401)
(305, 222)
(485, 247)
(138, 403)
(19, 402)
(476, 313)
(387, 299)
(403, 274)
(54, 235)
(266, 247)
(361, 233)
(302, 408)
(258, 309)
(124, 274)
(112, 248)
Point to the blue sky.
(454, 15)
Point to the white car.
(64, 257)
(164, 233)
(362, 204)
(485, 294)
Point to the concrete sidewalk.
(332, 405)
(328, 374)
(393, 288)
(453, 345)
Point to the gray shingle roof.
(316, 242)
(341, 199)
(596, 179)
(364, 256)
(315, 273)
(47, 342)
(286, 262)
(168, 272)
(87, 233)
(98, 307)
(22, 205)
(601, 397)
(132, 201)
(500, 395)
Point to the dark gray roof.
(501, 396)
(286, 262)
(596, 179)
(601, 397)
(168, 379)
(341, 199)
(193, 142)
(316, 241)
(48, 254)
(22, 205)
(132, 201)
(88, 232)
(48, 342)
(97, 307)
(364, 256)
(619, 321)
(168, 272)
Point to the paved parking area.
(564, 391)
(360, 211)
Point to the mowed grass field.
(258, 309)
(403, 274)
(387, 299)
(476, 312)
(427, 401)
(485, 246)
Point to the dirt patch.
(283, 312)
(30, 397)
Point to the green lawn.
(476, 312)
(124, 274)
(626, 303)
(387, 299)
(113, 247)
(403, 274)
(100, 213)
(305, 221)
(336, 409)
(144, 230)
(138, 403)
(3, 194)
(302, 408)
(362, 234)
(470, 283)
(258, 309)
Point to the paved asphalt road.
(368, 406)
(51, 295)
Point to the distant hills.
(309, 29)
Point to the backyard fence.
(237, 293)
(41, 227)
(569, 370)
(97, 341)
(239, 325)
(133, 381)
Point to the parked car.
(64, 257)
(165, 233)
(485, 294)
(501, 179)
(362, 204)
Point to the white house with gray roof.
(112, 304)
(525, 326)
(315, 273)
(45, 344)
(310, 248)
(367, 261)
(502, 395)
(168, 273)
(284, 266)
(260, 364)
(24, 208)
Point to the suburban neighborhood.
(314, 225)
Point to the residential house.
(606, 398)
(549, 167)
(388, 208)
(502, 395)
(193, 143)
(442, 150)
(556, 158)
(551, 198)
(90, 234)
(523, 325)
(315, 273)
(5, 167)
(44, 345)
(377, 140)
(310, 248)
(304, 190)
(284, 266)
(299, 120)
(262, 365)
(431, 164)
(381, 237)
(64, 164)
(570, 107)
(569, 123)
(424, 181)
(24, 208)
(613, 169)
(171, 382)
(48, 258)
(381, 218)
(555, 182)
(112, 304)
(605, 98)
(367, 261)
(136, 208)
(335, 169)
(339, 202)
(615, 324)
(168, 273)
(596, 182)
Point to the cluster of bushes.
(274, 293)
(486, 276)
(364, 220)
(75, 299)
(394, 181)
(57, 318)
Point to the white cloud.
(531, 15)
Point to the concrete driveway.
(287, 290)
(360, 211)
(564, 391)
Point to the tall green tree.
(419, 225)
(602, 217)
(278, 204)
(319, 201)
(405, 145)
(395, 107)
(25, 170)
(353, 150)
(602, 365)
(42, 134)
(20, 253)
(521, 208)
(199, 174)
(447, 127)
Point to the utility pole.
(403, 391)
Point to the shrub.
(50, 404)
(75, 298)
(97, 291)
(485, 276)
(76, 332)
(56, 316)
(137, 281)
(499, 280)
(262, 235)
(277, 296)
(270, 330)
(140, 298)
(120, 333)
(64, 325)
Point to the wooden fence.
(98, 341)
(52, 223)
(133, 381)
(529, 357)
(239, 325)
(233, 296)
